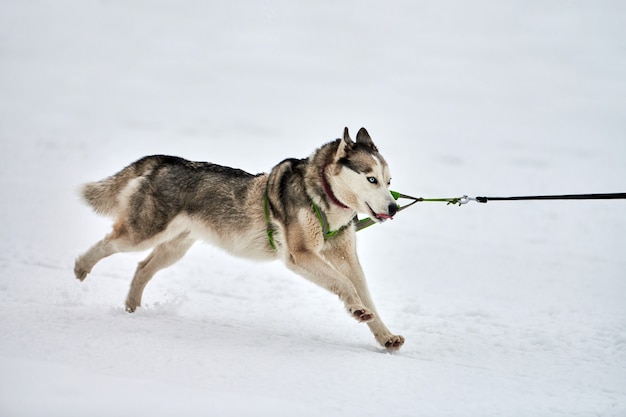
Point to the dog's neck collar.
(329, 192)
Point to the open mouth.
(380, 217)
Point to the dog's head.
(360, 177)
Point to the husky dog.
(302, 212)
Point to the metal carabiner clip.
(464, 200)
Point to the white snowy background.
(508, 308)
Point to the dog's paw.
(392, 342)
(362, 314)
(131, 305)
(80, 272)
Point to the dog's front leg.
(313, 267)
(341, 253)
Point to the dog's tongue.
(383, 216)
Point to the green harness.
(270, 230)
(320, 216)
(360, 224)
(363, 223)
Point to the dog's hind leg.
(163, 255)
(122, 239)
(112, 243)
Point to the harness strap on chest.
(321, 216)
(270, 230)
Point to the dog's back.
(159, 192)
(169, 184)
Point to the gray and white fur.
(167, 203)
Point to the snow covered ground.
(509, 309)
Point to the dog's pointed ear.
(345, 144)
(364, 138)
(346, 136)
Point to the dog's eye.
(372, 180)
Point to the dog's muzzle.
(392, 209)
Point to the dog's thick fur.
(167, 203)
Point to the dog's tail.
(110, 196)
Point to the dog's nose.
(393, 209)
